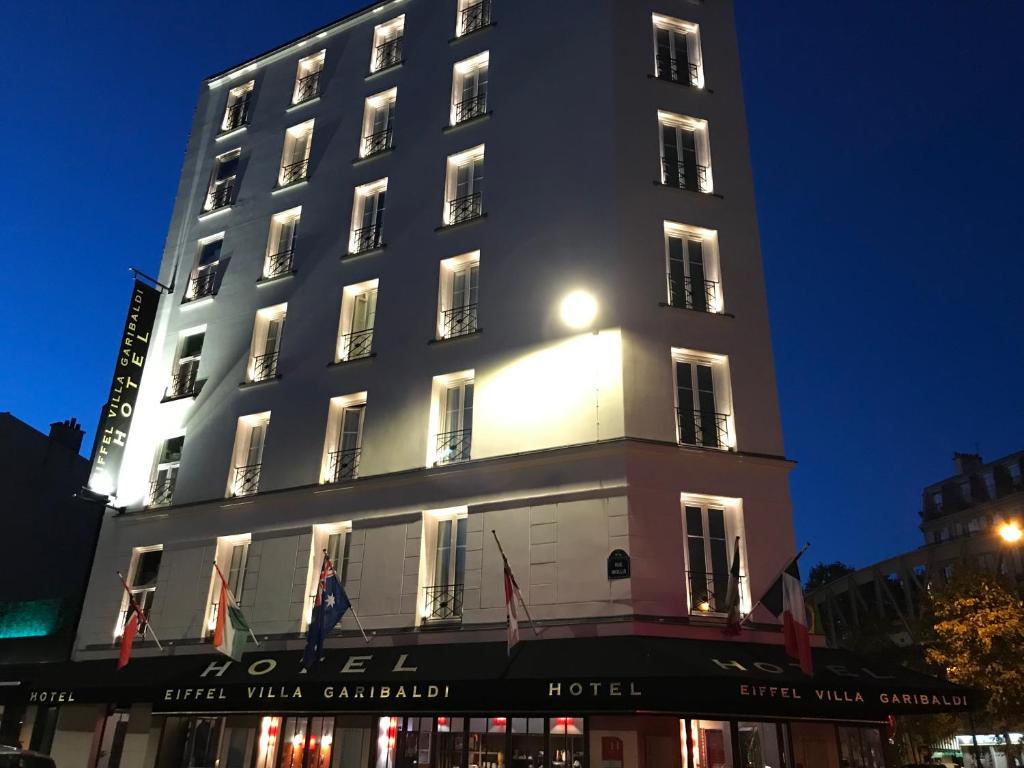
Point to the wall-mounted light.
(578, 309)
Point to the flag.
(134, 624)
(785, 599)
(328, 608)
(230, 635)
(511, 594)
(732, 595)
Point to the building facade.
(432, 282)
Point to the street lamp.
(1011, 532)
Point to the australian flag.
(328, 608)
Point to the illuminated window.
(185, 371)
(703, 400)
(677, 55)
(711, 527)
(453, 398)
(336, 539)
(247, 456)
(693, 268)
(358, 314)
(473, 15)
(344, 444)
(298, 141)
(142, 583)
(307, 78)
(464, 185)
(203, 280)
(685, 153)
(223, 181)
(266, 343)
(387, 44)
(236, 111)
(231, 557)
(469, 89)
(445, 532)
(378, 119)
(368, 217)
(457, 303)
(165, 472)
(280, 258)
(712, 743)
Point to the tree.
(824, 573)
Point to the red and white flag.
(511, 595)
(135, 625)
(785, 599)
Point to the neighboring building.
(414, 301)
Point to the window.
(693, 268)
(186, 365)
(247, 459)
(712, 743)
(203, 281)
(387, 44)
(457, 305)
(709, 553)
(368, 217)
(336, 539)
(378, 117)
(165, 473)
(223, 181)
(280, 258)
(446, 538)
(231, 557)
(344, 438)
(298, 140)
(454, 418)
(685, 153)
(677, 51)
(266, 343)
(464, 187)
(236, 111)
(473, 15)
(469, 89)
(762, 744)
(358, 313)
(142, 583)
(307, 78)
(703, 400)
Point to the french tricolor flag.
(785, 599)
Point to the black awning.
(582, 675)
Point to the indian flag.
(231, 633)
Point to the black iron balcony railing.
(264, 367)
(307, 87)
(183, 383)
(221, 195)
(161, 491)
(343, 465)
(293, 173)
(236, 115)
(279, 263)
(443, 602)
(355, 345)
(693, 293)
(388, 54)
(453, 447)
(683, 175)
(247, 480)
(706, 429)
(141, 631)
(459, 321)
(469, 108)
(476, 16)
(375, 143)
(367, 238)
(465, 208)
(677, 70)
(709, 591)
(203, 283)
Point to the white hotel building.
(366, 347)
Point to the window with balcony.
(458, 300)
(387, 44)
(236, 111)
(232, 555)
(445, 533)
(307, 78)
(223, 181)
(142, 583)
(203, 280)
(280, 258)
(677, 55)
(693, 268)
(703, 400)
(711, 527)
(464, 187)
(685, 153)
(469, 89)
(336, 540)
(368, 217)
(165, 472)
(298, 140)
(378, 119)
(266, 344)
(247, 456)
(454, 418)
(358, 314)
(185, 371)
(344, 444)
(473, 15)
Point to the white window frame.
(218, 162)
(691, 31)
(712, 259)
(240, 454)
(223, 554)
(734, 526)
(462, 6)
(261, 340)
(702, 144)
(349, 297)
(307, 66)
(187, 360)
(429, 550)
(171, 467)
(296, 148)
(198, 268)
(336, 410)
(438, 411)
(371, 107)
(472, 66)
(723, 391)
(385, 33)
(290, 218)
(235, 96)
(322, 534)
(133, 567)
(445, 298)
(363, 193)
(455, 162)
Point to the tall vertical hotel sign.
(116, 418)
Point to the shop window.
(711, 744)
(202, 741)
(527, 748)
(416, 742)
(486, 741)
(387, 742)
(238, 741)
(566, 736)
(761, 745)
(306, 742)
(860, 748)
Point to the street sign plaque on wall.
(618, 564)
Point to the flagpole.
(327, 559)
(776, 578)
(142, 616)
(233, 599)
(518, 593)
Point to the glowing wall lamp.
(1011, 532)
(578, 309)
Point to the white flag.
(511, 595)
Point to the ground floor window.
(860, 748)
(762, 745)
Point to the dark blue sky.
(886, 139)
